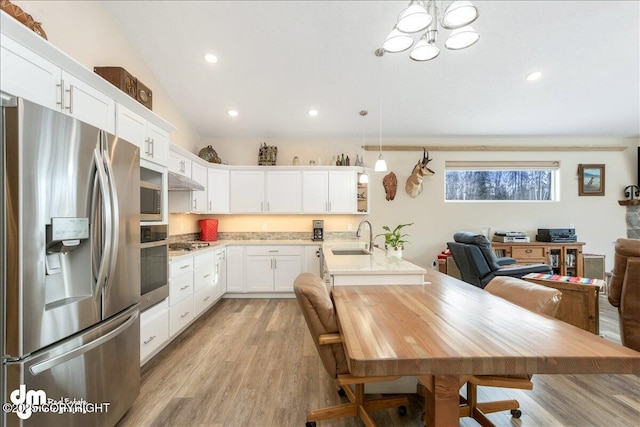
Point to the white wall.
(86, 31)
(598, 221)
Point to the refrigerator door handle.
(115, 215)
(106, 203)
(55, 361)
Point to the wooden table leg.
(442, 402)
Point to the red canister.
(208, 230)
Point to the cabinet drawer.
(274, 250)
(529, 252)
(180, 287)
(180, 315)
(154, 332)
(179, 267)
(203, 299)
(154, 311)
(203, 277)
(204, 257)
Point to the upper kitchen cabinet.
(199, 174)
(273, 191)
(34, 69)
(28, 75)
(218, 190)
(152, 140)
(179, 164)
(329, 191)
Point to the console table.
(579, 305)
(564, 258)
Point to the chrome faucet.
(370, 233)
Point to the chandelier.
(423, 15)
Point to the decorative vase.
(393, 252)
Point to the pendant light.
(364, 177)
(381, 164)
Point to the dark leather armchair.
(478, 263)
(624, 290)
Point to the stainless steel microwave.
(150, 201)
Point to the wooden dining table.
(447, 330)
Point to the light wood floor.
(251, 362)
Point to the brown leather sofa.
(624, 290)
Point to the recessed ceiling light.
(534, 76)
(232, 113)
(312, 113)
(211, 58)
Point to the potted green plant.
(394, 240)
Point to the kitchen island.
(348, 263)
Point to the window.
(501, 181)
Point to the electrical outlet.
(264, 227)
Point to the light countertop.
(173, 255)
(376, 263)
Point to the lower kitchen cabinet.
(235, 269)
(203, 299)
(154, 330)
(272, 268)
(180, 315)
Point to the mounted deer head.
(413, 186)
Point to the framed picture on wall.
(590, 180)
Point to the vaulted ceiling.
(279, 59)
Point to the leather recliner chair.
(319, 313)
(624, 290)
(478, 264)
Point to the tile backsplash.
(264, 235)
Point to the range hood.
(179, 182)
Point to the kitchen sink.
(350, 251)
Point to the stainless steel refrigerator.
(70, 268)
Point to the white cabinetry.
(152, 140)
(154, 330)
(28, 75)
(179, 164)
(311, 261)
(180, 294)
(221, 264)
(272, 191)
(272, 268)
(205, 277)
(199, 198)
(218, 190)
(283, 193)
(235, 269)
(246, 191)
(329, 191)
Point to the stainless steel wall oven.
(154, 253)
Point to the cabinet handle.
(70, 107)
(528, 251)
(150, 339)
(186, 313)
(207, 298)
(329, 206)
(210, 207)
(61, 86)
(195, 204)
(182, 166)
(184, 266)
(275, 264)
(207, 275)
(184, 287)
(153, 147)
(272, 263)
(274, 250)
(148, 150)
